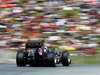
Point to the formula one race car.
(37, 54)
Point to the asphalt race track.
(11, 69)
(73, 69)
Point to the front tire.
(65, 59)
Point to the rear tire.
(32, 64)
(20, 61)
(51, 60)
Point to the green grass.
(95, 59)
(87, 59)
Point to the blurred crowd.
(63, 23)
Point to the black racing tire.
(65, 59)
(51, 60)
(20, 61)
(32, 64)
(70, 61)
